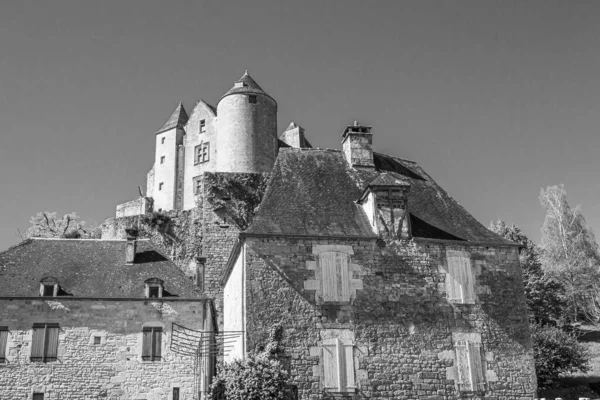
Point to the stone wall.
(142, 205)
(112, 369)
(400, 320)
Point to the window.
(198, 185)
(335, 279)
(175, 393)
(38, 396)
(252, 99)
(160, 185)
(338, 365)
(162, 160)
(44, 346)
(162, 141)
(3, 343)
(48, 290)
(154, 288)
(202, 125)
(49, 287)
(153, 292)
(97, 340)
(151, 345)
(202, 152)
(459, 281)
(470, 365)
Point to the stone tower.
(168, 160)
(247, 128)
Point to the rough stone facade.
(112, 369)
(143, 205)
(401, 321)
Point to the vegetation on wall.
(156, 220)
(48, 225)
(236, 195)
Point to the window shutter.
(327, 261)
(460, 277)
(330, 380)
(462, 364)
(454, 272)
(468, 283)
(343, 278)
(37, 343)
(477, 367)
(146, 344)
(349, 363)
(51, 343)
(157, 353)
(3, 342)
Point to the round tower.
(246, 128)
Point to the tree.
(544, 295)
(570, 254)
(46, 224)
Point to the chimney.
(357, 143)
(132, 235)
(294, 136)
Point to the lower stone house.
(83, 319)
(385, 286)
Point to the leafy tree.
(556, 352)
(544, 295)
(47, 224)
(570, 254)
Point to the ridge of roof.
(202, 102)
(248, 85)
(177, 119)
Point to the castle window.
(97, 340)
(197, 185)
(154, 288)
(175, 393)
(202, 125)
(252, 99)
(44, 346)
(49, 287)
(151, 343)
(470, 365)
(162, 160)
(202, 152)
(160, 185)
(338, 365)
(162, 141)
(335, 276)
(460, 279)
(3, 343)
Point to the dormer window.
(49, 287)
(154, 288)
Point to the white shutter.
(349, 364)
(453, 283)
(462, 365)
(476, 366)
(468, 282)
(460, 280)
(343, 277)
(329, 355)
(327, 264)
(338, 365)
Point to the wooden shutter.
(3, 342)
(37, 343)
(349, 366)
(157, 344)
(147, 344)
(462, 364)
(51, 343)
(343, 277)
(330, 379)
(454, 272)
(460, 282)
(327, 263)
(468, 281)
(476, 366)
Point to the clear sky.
(495, 99)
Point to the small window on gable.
(335, 276)
(162, 141)
(202, 153)
(470, 365)
(202, 125)
(154, 288)
(338, 365)
(162, 160)
(3, 343)
(152, 344)
(252, 99)
(460, 279)
(49, 287)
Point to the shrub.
(156, 219)
(556, 352)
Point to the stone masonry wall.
(401, 320)
(141, 205)
(110, 370)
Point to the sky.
(494, 99)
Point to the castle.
(385, 286)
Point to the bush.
(156, 219)
(556, 352)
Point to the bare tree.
(46, 224)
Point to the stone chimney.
(357, 144)
(132, 235)
(294, 136)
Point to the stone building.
(385, 286)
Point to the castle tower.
(168, 162)
(247, 128)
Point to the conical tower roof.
(245, 85)
(177, 119)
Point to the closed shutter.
(454, 272)
(468, 284)
(37, 343)
(477, 366)
(462, 364)
(3, 342)
(51, 343)
(330, 380)
(460, 283)
(338, 365)
(343, 281)
(147, 344)
(349, 365)
(327, 262)
(157, 344)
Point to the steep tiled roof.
(313, 192)
(177, 119)
(88, 268)
(245, 85)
